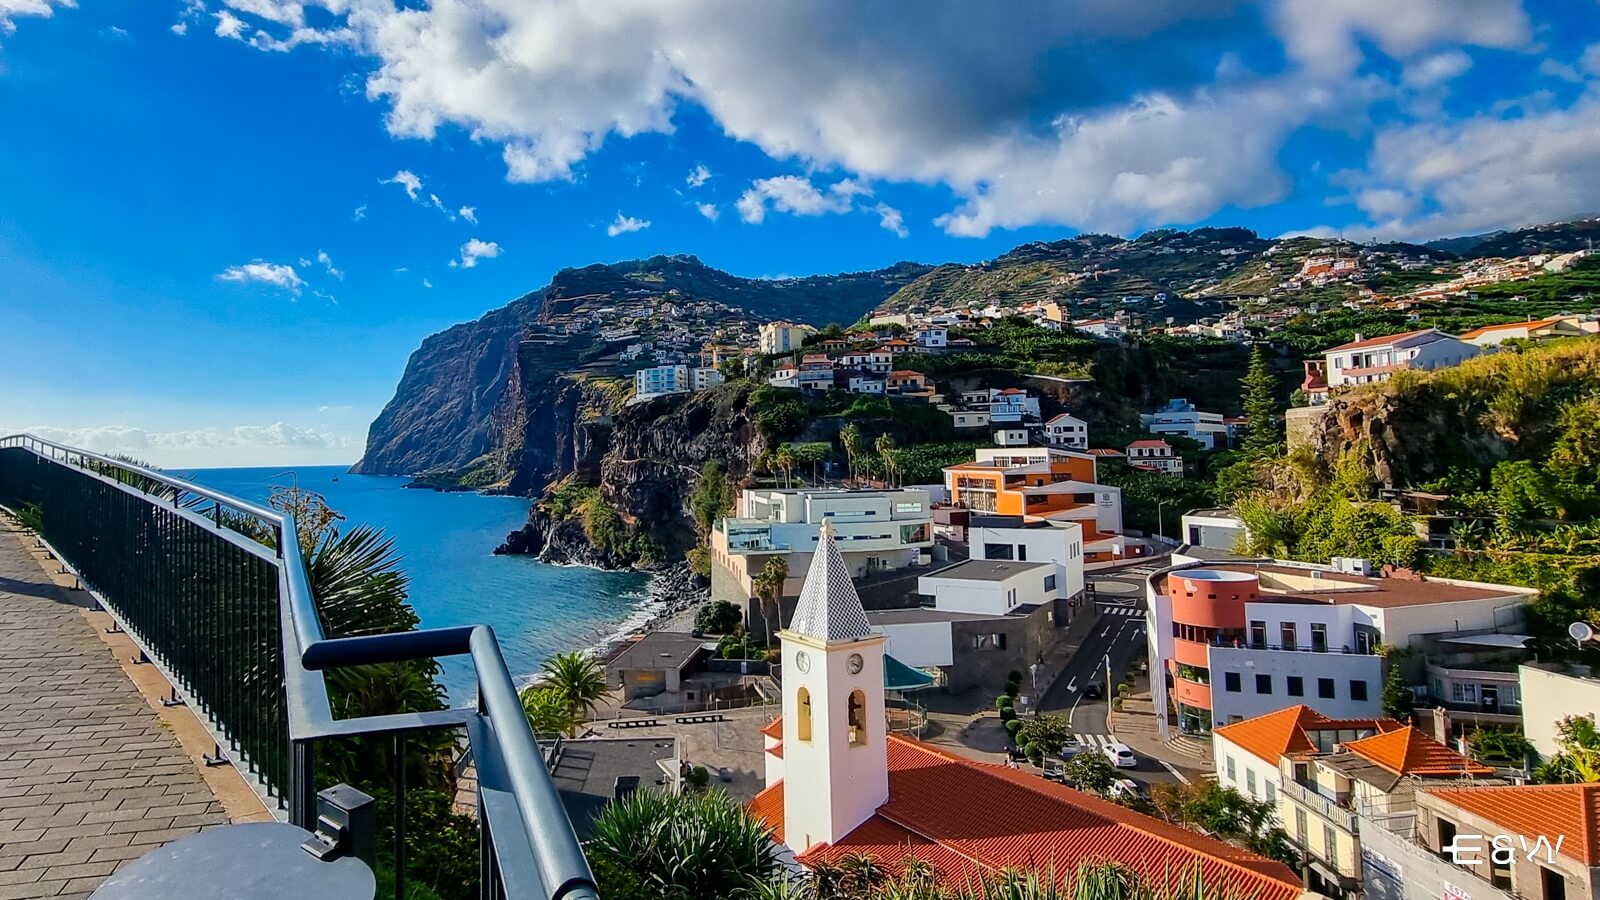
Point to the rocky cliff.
(621, 479)
(457, 399)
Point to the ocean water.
(446, 543)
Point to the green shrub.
(1013, 689)
(1004, 701)
(1012, 727)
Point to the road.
(1117, 636)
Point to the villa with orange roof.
(1325, 774)
(1542, 329)
(838, 784)
(1553, 834)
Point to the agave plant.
(701, 846)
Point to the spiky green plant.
(578, 679)
(701, 846)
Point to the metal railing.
(215, 591)
(1322, 806)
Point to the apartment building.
(1042, 484)
(1239, 639)
(1183, 418)
(876, 531)
(1323, 774)
(783, 337)
(658, 380)
(1531, 842)
(1368, 360)
(1017, 539)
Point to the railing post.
(302, 784)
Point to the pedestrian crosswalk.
(1121, 611)
(1095, 741)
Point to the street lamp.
(1161, 527)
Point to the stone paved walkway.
(88, 777)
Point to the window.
(1446, 830)
(1231, 775)
(1022, 552)
(1230, 682)
(1286, 635)
(1358, 689)
(1011, 597)
(1330, 843)
(1250, 781)
(1325, 688)
(997, 641)
(1555, 886)
(858, 718)
(1263, 684)
(1297, 686)
(1499, 872)
(1455, 691)
(805, 714)
(1319, 637)
(1271, 790)
(1470, 691)
(1300, 825)
(1258, 634)
(1049, 582)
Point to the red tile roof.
(1022, 820)
(1407, 751)
(1287, 731)
(1532, 810)
(1379, 341)
(1154, 442)
(1542, 323)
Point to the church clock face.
(854, 664)
(802, 661)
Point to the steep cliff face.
(458, 398)
(641, 464)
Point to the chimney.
(1360, 337)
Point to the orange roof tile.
(1407, 751)
(1284, 732)
(1024, 821)
(1531, 810)
(1542, 323)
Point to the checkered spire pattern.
(829, 607)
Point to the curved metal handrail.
(558, 868)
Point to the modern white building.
(1183, 418)
(876, 531)
(658, 380)
(1550, 694)
(1014, 538)
(866, 384)
(785, 376)
(1011, 437)
(1105, 329)
(1366, 360)
(783, 337)
(1067, 430)
(706, 377)
(933, 338)
(990, 587)
(1214, 529)
(970, 418)
(1240, 639)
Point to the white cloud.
(426, 283)
(15, 9)
(469, 213)
(327, 263)
(795, 194)
(192, 11)
(262, 272)
(623, 224)
(1482, 173)
(359, 214)
(229, 25)
(697, 176)
(890, 219)
(709, 210)
(278, 442)
(474, 250)
(408, 180)
(1025, 111)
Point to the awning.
(1512, 641)
(897, 676)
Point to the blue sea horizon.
(446, 543)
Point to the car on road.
(1092, 691)
(1121, 755)
(1125, 788)
(1071, 747)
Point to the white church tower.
(835, 758)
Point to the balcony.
(1321, 806)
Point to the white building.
(707, 377)
(866, 384)
(785, 376)
(933, 338)
(1105, 329)
(658, 380)
(1067, 430)
(970, 418)
(990, 587)
(1548, 696)
(1182, 418)
(1215, 529)
(1367, 360)
(1011, 437)
(815, 378)
(1237, 640)
(1155, 454)
(1013, 538)
(1013, 405)
(783, 337)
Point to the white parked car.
(1125, 787)
(1121, 755)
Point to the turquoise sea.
(446, 542)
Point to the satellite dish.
(1581, 631)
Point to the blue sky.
(206, 255)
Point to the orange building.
(1042, 483)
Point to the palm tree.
(850, 437)
(886, 449)
(547, 710)
(578, 679)
(768, 586)
(784, 459)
